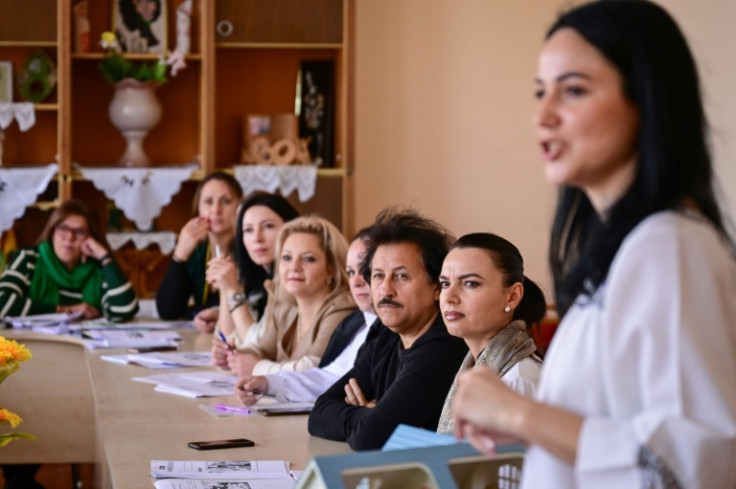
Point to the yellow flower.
(12, 352)
(11, 355)
(6, 417)
(108, 40)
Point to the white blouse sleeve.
(668, 356)
(523, 377)
(302, 386)
(265, 366)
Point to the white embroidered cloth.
(19, 188)
(140, 193)
(286, 178)
(165, 240)
(23, 112)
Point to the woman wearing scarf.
(486, 300)
(69, 270)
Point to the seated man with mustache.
(403, 375)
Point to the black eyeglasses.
(75, 233)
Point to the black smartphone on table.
(215, 444)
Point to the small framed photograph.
(6, 81)
(257, 125)
(140, 25)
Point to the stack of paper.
(279, 408)
(193, 384)
(173, 359)
(56, 323)
(405, 436)
(264, 406)
(220, 484)
(130, 338)
(102, 323)
(408, 437)
(255, 474)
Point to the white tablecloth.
(19, 188)
(286, 179)
(140, 193)
(165, 240)
(23, 112)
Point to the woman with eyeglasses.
(69, 270)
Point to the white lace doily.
(140, 193)
(165, 240)
(23, 112)
(285, 178)
(19, 188)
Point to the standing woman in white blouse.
(638, 388)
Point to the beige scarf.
(510, 345)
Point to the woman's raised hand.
(222, 274)
(92, 249)
(194, 231)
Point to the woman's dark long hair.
(507, 259)
(252, 275)
(674, 164)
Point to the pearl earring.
(507, 309)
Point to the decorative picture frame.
(6, 81)
(316, 91)
(140, 25)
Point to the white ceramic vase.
(134, 110)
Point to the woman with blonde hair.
(307, 299)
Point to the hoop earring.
(507, 309)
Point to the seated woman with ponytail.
(69, 270)
(486, 300)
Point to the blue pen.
(224, 340)
(232, 409)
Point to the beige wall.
(443, 104)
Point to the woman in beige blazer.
(308, 298)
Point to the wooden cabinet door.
(28, 20)
(280, 21)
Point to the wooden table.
(84, 409)
(53, 395)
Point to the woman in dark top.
(202, 237)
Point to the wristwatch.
(236, 298)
